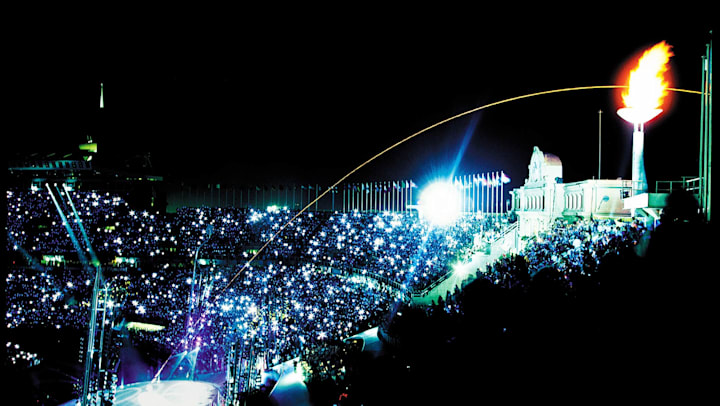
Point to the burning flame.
(647, 84)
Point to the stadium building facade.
(544, 197)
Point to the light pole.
(89, 354)
(191, 305)
(599, 141)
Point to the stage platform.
(166, 393)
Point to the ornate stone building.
(544, 197)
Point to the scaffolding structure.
(705, 155)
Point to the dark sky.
(306, 101)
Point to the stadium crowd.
(323, 277)
(318, 281)
(394, 246)
(574, 249)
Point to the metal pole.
(702, 159)
(396, 193)
(475, 193)
(482, 194)
(497, 194)
(410, 198)
(502, 194)
(102, 331)
(91, 339)
(191, 305)
(709, 130)
(599, 141)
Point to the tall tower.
(646, 90)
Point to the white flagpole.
(494, 195)
(405, 202)
(399, 195)
(395, 193)
(474, 193)
(464, 193)
(482, 193)
(387, 196)
(396, 186)
(399, 204)
(392, 196)
(468, 194)
(368, 197)
(497, 200)
(377, 196)
(393, 204)
(363, 197)
(489, 193)
(411, 188)
(502, 193)
(486, 194)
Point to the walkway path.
(469, 271)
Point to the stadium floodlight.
(439, 203)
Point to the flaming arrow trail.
(393, 146)
(408, 138)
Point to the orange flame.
(647, 84)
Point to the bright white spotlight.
(461, 270)
(440, 203)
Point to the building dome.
(544, 167)
(552, 160)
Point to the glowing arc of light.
(408, 138)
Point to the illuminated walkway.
(460, 274)
(468, 271)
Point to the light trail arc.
(393, 146)
(408, 138)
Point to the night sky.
(306, 101)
